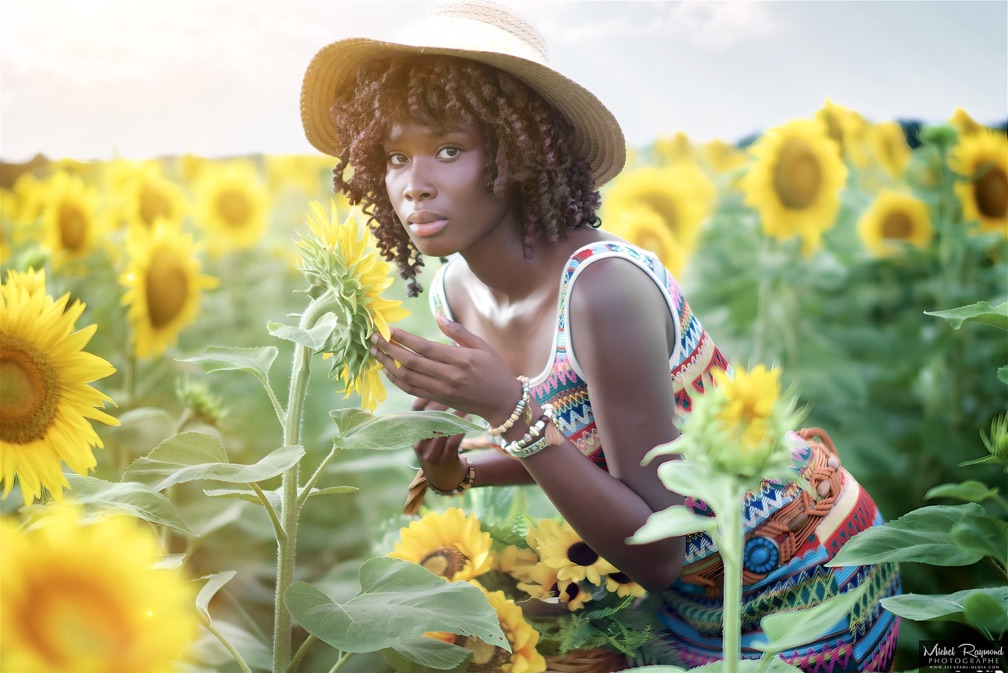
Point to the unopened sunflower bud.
(941, 136)
(201, 402)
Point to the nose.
(419, 185)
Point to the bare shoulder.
(612, 289)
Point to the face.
(435, 183)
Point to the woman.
(577, 348)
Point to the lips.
(423, 223)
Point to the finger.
(459, 334)
(412, 361)
(432, 350)
(405, 379)
(482, 442)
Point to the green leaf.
(1002, 374)
(978, 312)
(357, 429)
(969, 491)
(210, 589)
(672, 522)
(983, 534)
(789, 630)
(985, 609)
(255, 360)
(422, 655)
(134, 499)
(315, 338)
(921, 536)
(698, 480)
(332, 490)
(398, 602)
(194, 455)
(272, 495)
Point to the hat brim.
(597, 135)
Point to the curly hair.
(527, 143)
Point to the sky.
(99, 79)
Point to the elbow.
(657, 576)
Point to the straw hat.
(480, 31)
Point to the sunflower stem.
(762, 302)
(299, 655)
(208, 625)
(730, 546)
(344, 656)
(306, 491)
(278, 529)
(289, 510)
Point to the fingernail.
(374, 352)
(374, 338)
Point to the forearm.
(605, 512)
(494, 468)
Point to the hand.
(469, 376)
(439, 456)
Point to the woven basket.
(596, 660)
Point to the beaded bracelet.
(467, 481)
(523, 403)
(531, 443)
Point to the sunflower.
(234, 205)
(722, 157)
(645, 228)
(983, 159)
(308, 175)
(523, 658)
(894, 220)
(336, 258)
(795, 182)
(681, 194)
(70, 216)
(164, 283)
(47, 402)
(889, 147)
(543, 583)
(143, 195)
(845, 127)
(673, 149)
(623, 586)
(34, 282)
(85, 597)
(965, 124)
(517, 562)
(451, 545)
(561, 548)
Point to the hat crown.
(479, 25)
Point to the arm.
(605, 509)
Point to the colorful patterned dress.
(790, 534)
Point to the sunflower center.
(444, 561)
(620, 577)
(167, 287)
(153, 204)
(72, 227)
(649, 241)
(669, 213)
(797, 177)
(897, 225)
(29, 388)
(581, 554)
(992, 193)
(78, 623)
(234, 207)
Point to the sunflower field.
(203, 471)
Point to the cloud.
(705, 26)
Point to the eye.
(449, 152)
(396, 158)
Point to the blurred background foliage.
(830, 283)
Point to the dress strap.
(438, 297)
(644, 260)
